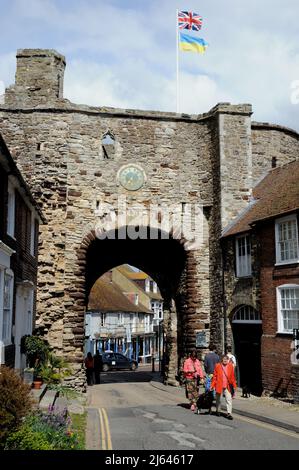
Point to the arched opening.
(164, 259)
(247, 333)
(125, 316)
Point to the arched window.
(246, 314)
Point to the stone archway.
(167, 261)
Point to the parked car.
(113, 360)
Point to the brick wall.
(276, 348)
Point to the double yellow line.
(106, 443)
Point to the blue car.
(113, 360)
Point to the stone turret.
(39, 78)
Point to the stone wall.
(242, 290)
(272, 145)
(199, 160)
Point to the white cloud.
(122, 54)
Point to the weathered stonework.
(206, 159)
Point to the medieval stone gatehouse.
(79, 160)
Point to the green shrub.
(54, 370)
(36, 350)
(44, 431)
(27, 438)
(15, 402)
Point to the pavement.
(265, 409)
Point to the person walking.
(97, 364)
(230, 356)
(211, 359)
(224, 382)
(192, 372)
(89, 365)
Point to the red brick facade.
(276, 347)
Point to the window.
(286, 235)
(155, 287)
(246, 314)
(29, 311)
(243, 256)
(103, 318)
(288, 308)
(32, 236)
(157, 308)
(11, 210)
(7, 307)
(108, 145)
(147, 285)
(147, 323)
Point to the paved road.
(128, 412)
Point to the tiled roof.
(105, 296)
(132, 275)
(277, 194)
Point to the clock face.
(131, 177)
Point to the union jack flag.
(189, 20)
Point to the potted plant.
(37, 351)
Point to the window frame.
(238, 257)
(11, 210)
(33, 235)
(280, 328)
(250, 309)
(7, 340)
(278, 261)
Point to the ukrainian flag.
(190, 43)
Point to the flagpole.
(177, 62)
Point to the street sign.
(201, 339)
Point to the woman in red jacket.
(224, 382)
(192, 372)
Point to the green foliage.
(28, 439)
(79, 427)
(45, 431)
(15, 402)
(36, 350)
(54, 370)
(50, 368)
(65, 391)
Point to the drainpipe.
(224, 303)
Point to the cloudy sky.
(122, 53)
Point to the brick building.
(261, 277)
(19, 222)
